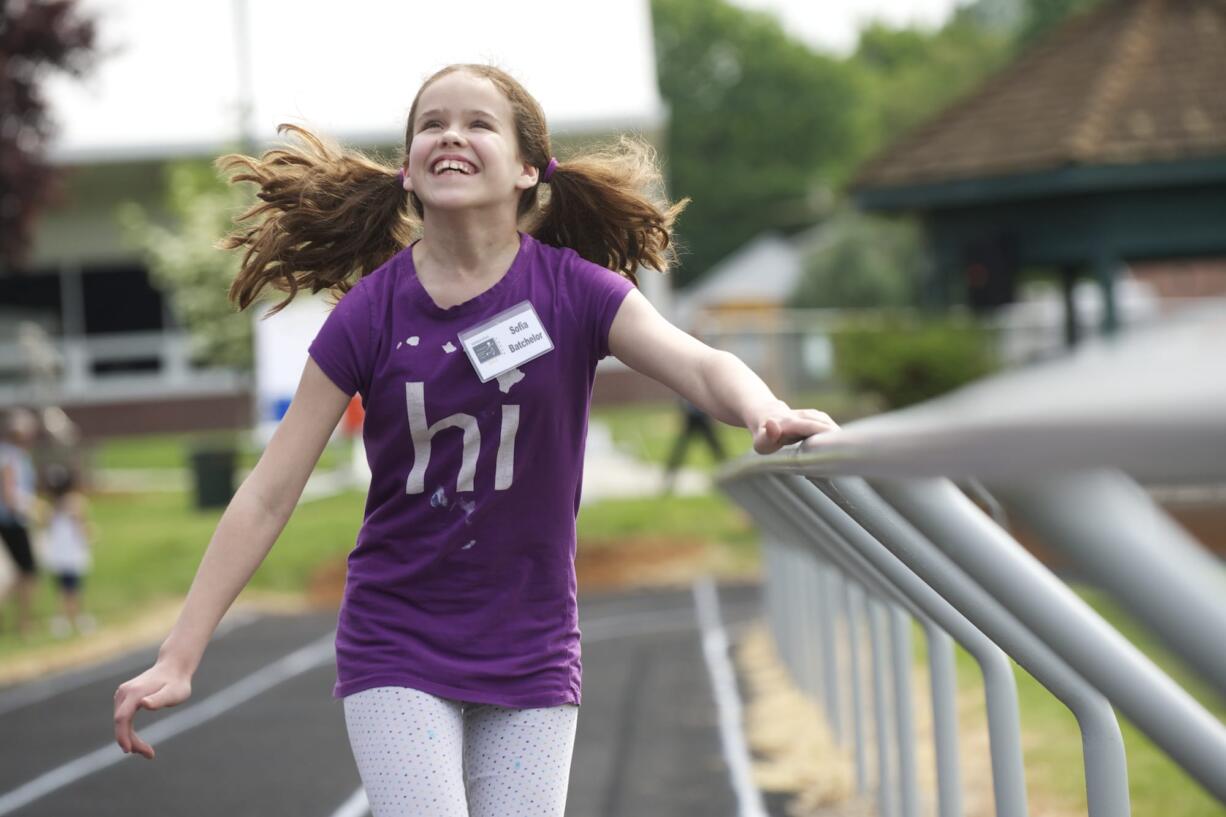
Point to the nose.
(452, 136)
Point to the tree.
(911, 74)
(760, 125)
(1041, 16)
(862, 262)
(35, 38)
(185, 262)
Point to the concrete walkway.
(612, 474)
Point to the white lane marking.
(263, 679)
(36, 692)
(727, 700)
(356, 806)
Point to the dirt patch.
(326, 587)
(650, 561)
(600, 565)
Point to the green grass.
(708, 517)
(648, 431)
(174, 451)
(1053, 753)
(148, 546)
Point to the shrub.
(908, 360)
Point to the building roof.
(764, 271)
(1131, 82)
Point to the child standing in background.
(67, 555)
(18, 500)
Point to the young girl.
(67, 554)
(474, 350)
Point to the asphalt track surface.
(266, 738)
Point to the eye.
(481, 123)
(431, 123)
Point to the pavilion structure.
(1101, 146)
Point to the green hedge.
(905, 360)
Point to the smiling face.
(464, 152)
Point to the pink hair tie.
(549, 168)
(400, 175)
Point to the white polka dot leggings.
(420, 755)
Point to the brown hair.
(326, 213)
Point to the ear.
(407, 183)
(528, 177)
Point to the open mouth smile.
(448, 165)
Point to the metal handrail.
(870, 511)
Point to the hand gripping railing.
(867, 524)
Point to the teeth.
(453, 164)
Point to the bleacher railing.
(898, 518)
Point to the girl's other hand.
(159, 686)
(784, 426)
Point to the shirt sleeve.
(344, 345)
(601, 294)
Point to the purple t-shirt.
(462, 582)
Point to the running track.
(261, 734)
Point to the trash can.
(213, 476)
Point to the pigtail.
(608, 206)
(325, 215)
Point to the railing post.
(853, 600)
(829, 580)
(944, 681)
(887, 800)
(900, 644)
(808, 572)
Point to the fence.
(792, 349)
(867, 529)
(39, 370)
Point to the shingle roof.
(1131, 82)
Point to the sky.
(832, 25)
(169, 80)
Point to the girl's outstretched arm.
(715, 381)
(247, 530)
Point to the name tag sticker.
(509, 339)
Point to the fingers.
(797, 427)
(123, 720)
(127, 701)
(141, 747)
(792, 427)
(820, 416)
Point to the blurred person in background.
(18, 498)
(459, 617)
(67, 549)
(693, 421)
